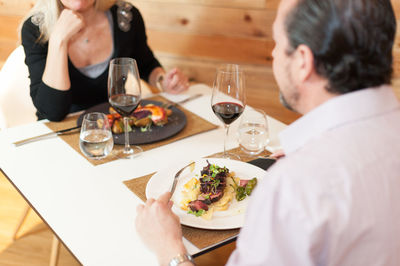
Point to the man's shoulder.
(344, 157)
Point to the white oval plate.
(232, 218)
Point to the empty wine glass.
(228, 99)
(95, 140)
(124, 95)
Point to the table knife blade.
(44, 136)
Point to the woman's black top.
(129, 41)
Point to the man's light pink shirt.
(335, 198)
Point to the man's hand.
(277, 154)
(159, 228)
(175, 81)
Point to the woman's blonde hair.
(46, 12)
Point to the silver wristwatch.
(181, 258)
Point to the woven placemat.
(201, 238)
(195, 125)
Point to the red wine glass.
(228, 99)
(124, 95)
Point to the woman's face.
(78, 5)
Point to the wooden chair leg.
(21, 221)
(55, 245)
(55, 248)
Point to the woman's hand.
(68, 24)
(56, 73)
(175, 81)
(159, 228)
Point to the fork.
(170, 104)
(172, 190)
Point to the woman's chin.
(81, 6)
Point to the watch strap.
(180, 258)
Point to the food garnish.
(143, 117)
(244, 188)
(214, 190)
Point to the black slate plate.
(176, 122)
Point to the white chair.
(16, 108)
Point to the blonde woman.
(68, 45)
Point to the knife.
(44, 136)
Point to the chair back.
(16, 107)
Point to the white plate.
(229, 219)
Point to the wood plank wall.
(197, 35)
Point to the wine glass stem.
(226, 137)
(127, 148)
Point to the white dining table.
(88, 207)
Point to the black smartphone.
(263, 163)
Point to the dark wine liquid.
(124, 104)
(227, 111)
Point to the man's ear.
(303, 64)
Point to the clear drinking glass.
(95, 140)
(124, 94)
(228, 99)
(253, 134)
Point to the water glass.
(253, 132)
(96, 140)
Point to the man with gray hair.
(333, 198)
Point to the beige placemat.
(195, 125)
(201, 238)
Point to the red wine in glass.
(124, 94)
(228, 98)
(124, 104)
(227, 112)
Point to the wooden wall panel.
(396, 7)
(230, 49)
(396, 86)
(206, 20)
(253, 4)
(16, 7)
(396, 48)
(9, 27)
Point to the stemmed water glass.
(124, 94)
(228, 99)
(253, 134)
(95, 140)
